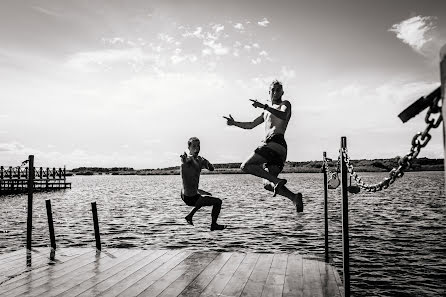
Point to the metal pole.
(50, 224)
(30, 202)
(326, 208)
(443, 95)
(345, 236)
(96, 225)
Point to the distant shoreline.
(363, 165)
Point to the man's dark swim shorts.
(190, 200)
(274, 150)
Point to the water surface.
(397, 236)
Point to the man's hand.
(256, 103)
(183, 158)
(229, 121)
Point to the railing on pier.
(15, 179)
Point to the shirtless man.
(191, 165)
(268, 160)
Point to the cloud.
(287, 73)
(114, 40)
(263, 22)
(217, 48)
(94, 60)
(239, 26)
(217, 28)
(166, 38)
(11, 147)
(420, 34)
(178, 58)
(46, 11)
(256, 61)
(197, 33)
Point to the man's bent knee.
(268, 186)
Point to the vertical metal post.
(443, 95)
(345, 235)
(50, 224)
(324, 169)
(30, 202)
(96, 225)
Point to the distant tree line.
(361, 165)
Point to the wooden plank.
(102, 282)
(20, 264)
(254, 286)
(11, 254)
(173, 282)
(329, 286)
(205, 277)
(178, 286)
(220, 280)
(338, 280)
(156, 274)
(312, 279)
(47, 277)
(276, 276)
(60, 256)
(293, 285)
(240, 278)
(60, 284)
(131, 279)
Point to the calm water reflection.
(397, 240)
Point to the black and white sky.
(126, 83)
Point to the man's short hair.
(192, 139)
(274, 83)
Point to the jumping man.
(268, 160)
(191, 165)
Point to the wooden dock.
(133, 272)
(14, 180)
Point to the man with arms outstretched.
(268, 160)
(191, 165)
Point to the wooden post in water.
(324, 170)
(345, 236)
(50, 224)
(96, 225)
(29, 223)
(443, 96)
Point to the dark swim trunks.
(190, 200)
(272, 156)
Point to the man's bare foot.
(217, 227)
(298, 203)
(277, 186)
(189, 220)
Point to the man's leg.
(191, 214)
(283, 191)
(254, 165)
(216, 207)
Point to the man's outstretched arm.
(244, 125)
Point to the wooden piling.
(30, 202)
(50, 224)
(345, 235)
(326, 207)
(96, 225)
(443, 94)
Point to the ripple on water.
(397, 238)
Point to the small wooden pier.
(14, 180)
(133, 272)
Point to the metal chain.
(420, 140)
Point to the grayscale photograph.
(209, 148)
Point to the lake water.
(397, 236)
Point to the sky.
(127, 83)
